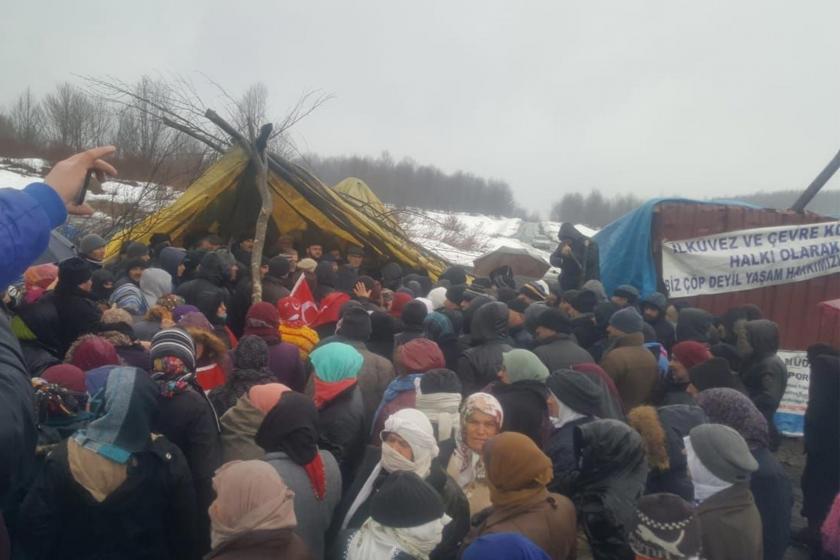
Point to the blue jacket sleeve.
(26, 219)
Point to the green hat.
(522, 365)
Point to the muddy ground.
(793, 460)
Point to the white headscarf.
(427, 302)
(442, 410)
(414, 427)
(705, 483)
(375, 541)
(438, 297)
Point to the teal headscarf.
(336, 361)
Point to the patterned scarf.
(172, 376)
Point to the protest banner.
(790, 416)
(750, 258)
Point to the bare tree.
(73, 119)
(28, 119)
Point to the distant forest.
(406, 183)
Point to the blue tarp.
(626, 255)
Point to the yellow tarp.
(357, 193)
(301, 201)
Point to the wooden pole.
(817, 184)
(261, 161)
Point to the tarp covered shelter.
(225, 200)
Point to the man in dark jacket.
(764, 374)
(577, 256)
(556, 346)
(274, 283)
(519, 334)
(625, 295)
(213, 275)
(582, 314)
(653, 310)
(78, 314)
(631, 365)
(696, 324)
(480, 364)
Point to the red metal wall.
(794, 307)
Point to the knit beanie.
(584, 302)
(456, 275)
(576, 390)
(627, 321)
(629, 292)
(518, 305)
(455, 294)
(355, 324)
(440, 380)
(72, 272)
(414, 313)
(251, 353)
(665, 527)
(388, 506)
(723, 452)
(713, 374)
(136, 250)
(690, 353)
(336, 361)
(555, 320)
(91, 243)
(279, 267)
(524, 365)
(173, 342)
(438, 297)
(657, 301)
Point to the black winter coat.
(522, 338)
(188, 420)
(37, 357)
(454, 501)
(151, 515)
(561, 450)
(480, 364)
(78, 314)
(342, 431)
(773, 494)
(586, 331)
(582, 265)
(561, 352)
(677, 421)
(209, 282)
(765, 375)
(665, 331)
(821, 477)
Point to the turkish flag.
(308, 308)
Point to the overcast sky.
(654, 97)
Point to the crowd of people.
(150, 409)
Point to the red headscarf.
(68, 376)
(691, 353)
(91, 352)
(263, 320)
(418, 356)
(400, 299)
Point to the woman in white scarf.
(439, 398)
(408, 444)
(394, 530)
(481, 419)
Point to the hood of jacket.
(490, 323)
(677, 421)
(762, 338)
(170, 258)
(214, 267)
(694, 324)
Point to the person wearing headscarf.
(503, 546)
(480, 364)
(250, 361)
(396, 532)
(90, 352)
(611, 479)
(481, 419)
(770, 486)
(408, 444)
(117, 328)
(341, 412)
(61, 401)
(398, 304)
(673, 387)
(212, 357)
(289, 435)
(525, 403)
(186, 416)
(253, 515)
(439, 398)
(411, 361)
(263, 320)
(611, 404)
(102, 285)
(154, 284)
(662, 432)
(411, 319)
(128, 296)
(517, 474)
(720, 464)
(172, 260)
(574, 399)
(242, 421)
(111, 490)
(293, 328)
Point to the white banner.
(790, 416)
(750, 258)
